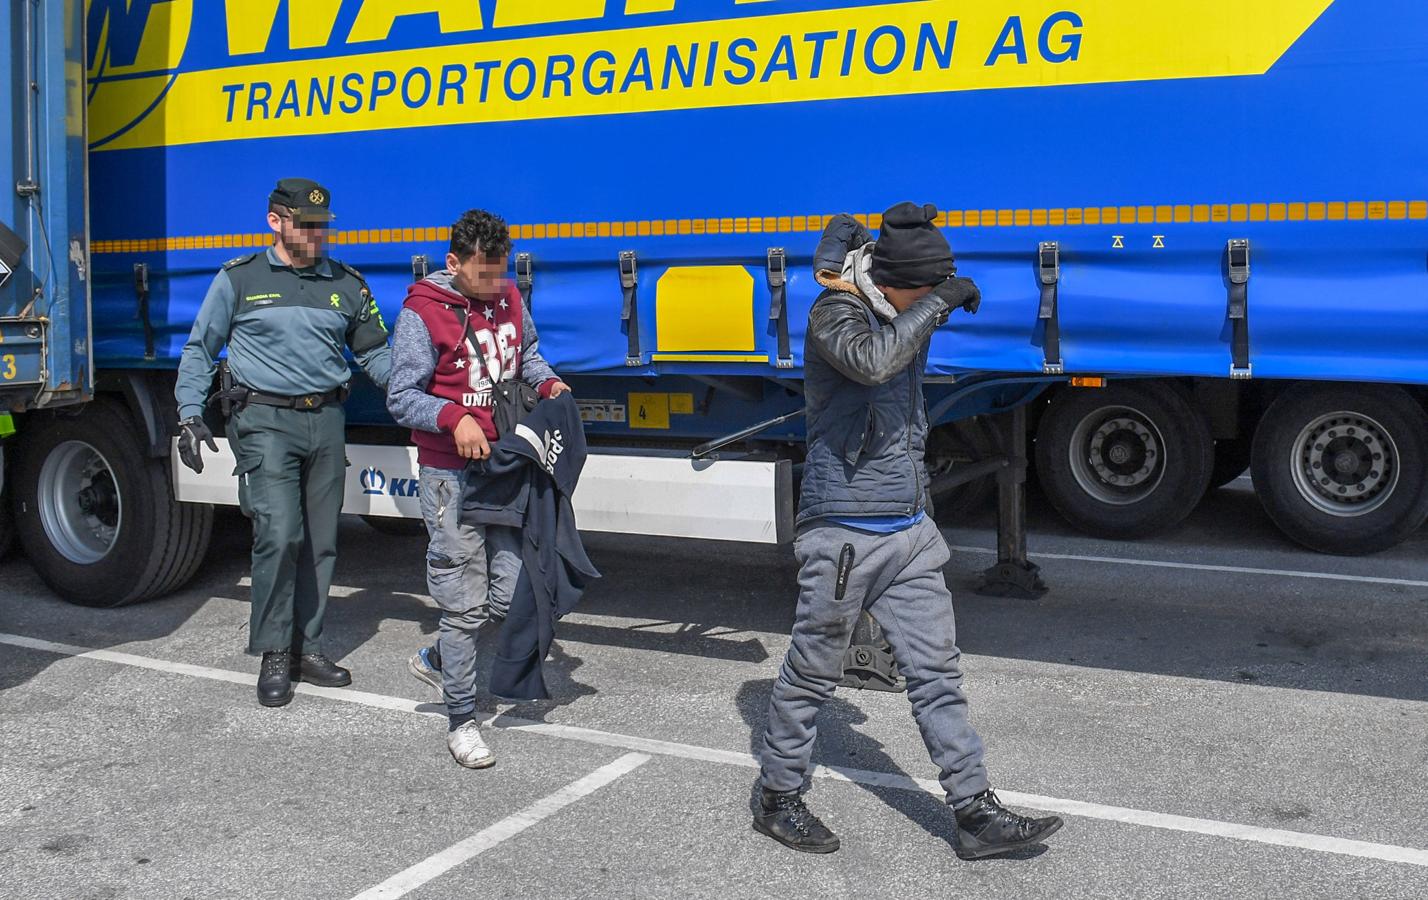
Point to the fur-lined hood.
(856, 279)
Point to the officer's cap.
(306, 198)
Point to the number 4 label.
(650, 411)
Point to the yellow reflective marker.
(705, 308)
(681, 404)
(649, 410)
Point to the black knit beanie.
(910, 251)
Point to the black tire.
(1232, 459)
(156, 544)
(1142, 464)
(396, 527)
(7, 525)
(1369, 442)
(949, 448)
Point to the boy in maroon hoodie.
(462, 331)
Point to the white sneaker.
(467, 747)
(420, 666)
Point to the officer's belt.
(303, 401)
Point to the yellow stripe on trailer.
(708, 357)
(1180, 214)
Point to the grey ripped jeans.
(471, 573)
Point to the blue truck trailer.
(1200, 226)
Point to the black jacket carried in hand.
(528, 483)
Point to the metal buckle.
(1049, 259)
(778, 267)
(1048, 271)
(629, 276)
(1239, 263)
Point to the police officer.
(285, 316)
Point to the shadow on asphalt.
(1279, 632)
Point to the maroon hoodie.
(478, 343)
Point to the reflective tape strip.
(1144, 214)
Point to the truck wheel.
(1342, 470)
(1124, 461)
(1232, 459)
(96, 515)
(949, 448)
(7, 524)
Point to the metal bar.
(525, 279)
(29, 186)
(709, 447)
(1011, 493)
(1013, 575)
(1237, 266)
(970, 473)
(629, 314)
(141, 290)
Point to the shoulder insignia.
(238, 261)
(351, 271)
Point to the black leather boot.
(275, 686)
(784, 817)
(986, 828)
(314, 668)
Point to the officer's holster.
(230, 398)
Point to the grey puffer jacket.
(867, 423)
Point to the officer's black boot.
(986, 828)
(783, 817)
(275, 686)
(314, 668)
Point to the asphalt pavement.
(1215, 712)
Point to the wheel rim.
(1118, 455)
(1344, 464)
(79, 502)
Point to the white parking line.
(1231, 830)
(433, 867)
(1200, 567)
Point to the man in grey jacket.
(865, 540)
(461, 333)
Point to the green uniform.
(286, 330)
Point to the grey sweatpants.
(471, 571)
(898, 578)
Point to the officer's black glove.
(193, 434)
(961, 292)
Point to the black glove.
(843, 235)
(193, 434)
(961, 292)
